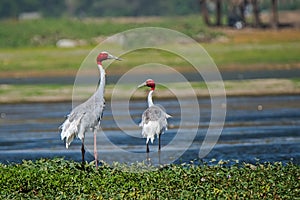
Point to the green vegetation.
(28, 47)
(47, 59)
(240, 54)
(46, 32)
(58, 8)
(61, 179)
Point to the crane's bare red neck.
(102, 56)
(150, 83)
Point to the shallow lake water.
(261, 129)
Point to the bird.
(154, 118)
(88, 115)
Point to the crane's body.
(88, 115)
(154, 118)
(85, 116)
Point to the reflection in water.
(264, 128)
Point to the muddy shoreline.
(66, 93)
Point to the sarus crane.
(154, 118)
(87, 115)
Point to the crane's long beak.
(114, 57)
(141, 85)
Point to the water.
(190, 76)
(256, 128)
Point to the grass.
(28, 47)
(43, 60)
(61, 179)
(49, 60)
(251, 54)
(46, 32)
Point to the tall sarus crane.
(154, 118)
(88, 114)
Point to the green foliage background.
(100, 8)
(61, 179)
(46, 32)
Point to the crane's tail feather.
(141, 124)
(150, 130)
(69, 129)
(168, 116)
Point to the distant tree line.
(13, 8)
(99, 8)
(238, 11)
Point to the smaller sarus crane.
(88, 115)
(154, 118)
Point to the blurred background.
(254, 43)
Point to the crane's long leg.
(159, 142)
(82, 152)
(95, 148)
(147, 147)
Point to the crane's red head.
(104, 56)
(149, 83)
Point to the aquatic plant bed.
(62, 179)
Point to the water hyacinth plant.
(62, 179)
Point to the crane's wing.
(154, 121)
(83, 117)
(151, 114)
(154, 113)
(94, 107)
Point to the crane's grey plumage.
(87, 115)
(154, 118)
